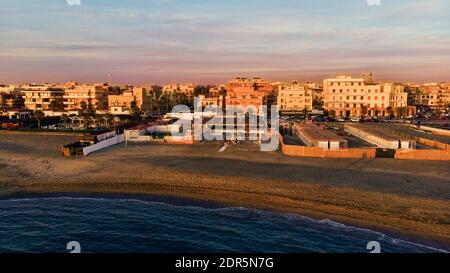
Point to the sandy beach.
(404, 198)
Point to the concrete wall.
(423, 154)
(104, 144)
(434, 144)
(325, 153)
(435, 131)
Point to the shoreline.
(211, 204)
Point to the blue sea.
(114, 225)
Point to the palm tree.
(64, 119)
(109, 119)
(39, 115)
(83, 106)
(116, 120)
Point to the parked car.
(318, 119)
(340, 119)
(355, 119)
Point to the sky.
(212, 41)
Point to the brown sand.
(407, 198)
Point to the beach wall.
(423, 154)
(435, 144)
(435, 131)
(104, 144)
(303, 151)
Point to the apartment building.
(217, 91)
(172, 90)
(42, 97)
(247, 92)
(294, 98)
(345, 96)
(121, 104)
(432, 95)
(211, 101)
(95, 97)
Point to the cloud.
(175, 39)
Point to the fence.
(104, 144)
(423, 155)
(303, 151)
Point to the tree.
(64, 119)
(83, 108)
(56, 105)
(201, 90)
(39, 115)
(157, 91)
(109, 119)
(165, 103)
(390, 111)
(18, 101)
(364, 111)
(305, 112)
(136, 113)
(87, 118)
(318, 104)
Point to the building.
(247, 92)
(432, 95)
(398, 101)
(294, 98)
(211, 101)
(172, 90)
(94, 97)
(217, 91)
(19, 114)
(345, 96)
(121, 104)
(42, 97)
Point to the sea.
(128, 225)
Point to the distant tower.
(110, 79)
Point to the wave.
(242, 211)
